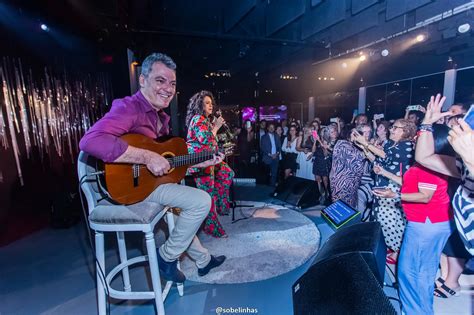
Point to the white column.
(449, 87)
(362, 99)
(311, 108)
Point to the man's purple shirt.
(132, 114)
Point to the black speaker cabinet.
(364, 238)
(341, 284)
(297, 191)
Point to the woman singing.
(217, 179)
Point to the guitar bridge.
(136, 174)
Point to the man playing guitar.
(142, 113)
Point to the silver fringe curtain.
(48, 111)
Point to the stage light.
(385, 52)
(325, 78)
(362, 57)
(420, 38)
(361, 53)
(344, 65)
(44, 27)
(464, 28)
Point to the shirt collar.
(144, 102)
(147, 106)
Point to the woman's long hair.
(441, 143)
(195, 106)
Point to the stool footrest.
(132, 295)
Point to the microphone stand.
(231, 188)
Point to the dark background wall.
(256, 41)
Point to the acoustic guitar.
(132, 183)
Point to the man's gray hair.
(156, 57)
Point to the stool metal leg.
(170, 222)
(123, 258)
(154, 271)
(99, 253)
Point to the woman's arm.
(299, 140)
(425, 150)
(381, 171)
(368, 146)
(422, 196)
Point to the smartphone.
(469, 117)
(379, 116)
(333, 120)
(379, 188)
(315, 134)
(415, 107)
(248, 124)
(355, 112)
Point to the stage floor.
(50, 272)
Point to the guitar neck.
(190, 159)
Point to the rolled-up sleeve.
(102, 140)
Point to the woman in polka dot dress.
(399, 156)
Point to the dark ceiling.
(259, 40)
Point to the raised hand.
(219, 122)
(359, 138)
(378, 169)
(433, 110)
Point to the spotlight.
(385, 52)
(362, 58)
(44, 27)
(344, 65)
(420, 38)
(464, 28)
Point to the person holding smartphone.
(390, 163)
(426, 204)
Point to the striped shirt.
(463, 204)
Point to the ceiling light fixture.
(385, 52)
(464, 28)
(420, 38)
(362, 57)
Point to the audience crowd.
(413, 174)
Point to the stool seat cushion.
(139, 213)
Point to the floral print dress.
(215, 180)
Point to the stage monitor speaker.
(340, 285)
(298, 191)
(364, 238)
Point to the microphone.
(218, 114)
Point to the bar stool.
(105, 216)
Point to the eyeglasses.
(395, 127)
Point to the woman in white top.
(290, 153)
(304, 146)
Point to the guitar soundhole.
(169, 156)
